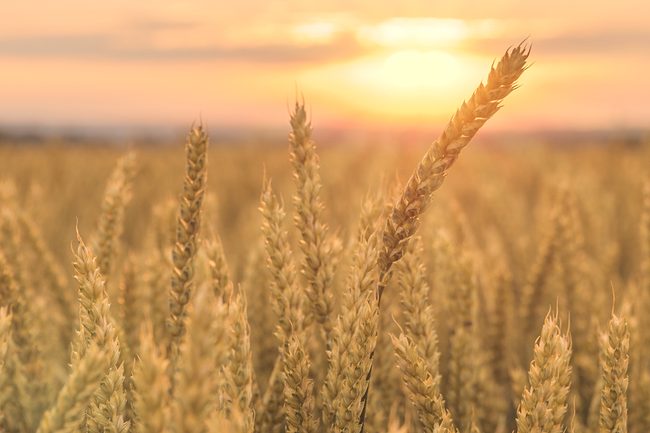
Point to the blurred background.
(125, 70)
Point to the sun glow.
(416, 32)
(317, 31)
(417, 70)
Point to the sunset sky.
(365, 64)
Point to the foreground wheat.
(404, 218)
(544, 402)
(430, 173)
(212, 375)
(187, 229)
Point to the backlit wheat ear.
(404, 218)
(299, 406)
(317, 246)
(108, 408)
(421, 378)
(354, 337)
(418, 315)
(614, 377)
(187, 230)
(240, 381)
(543, 405)
(287, 298)
(116, 197)
(287, 301)
(430, 173)
(196, 377)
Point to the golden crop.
(197, 299)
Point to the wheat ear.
(299, 406)
(404, 217)
(317, 247)
(187, 230)
(196, 377)
(116, 197)
(353, 338)
(287, 299)
(108, 407)
(543, 405)
(422, 381)
(240, 374)
(614, 377)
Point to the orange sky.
(372, 64)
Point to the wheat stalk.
(116, 197)
(187, 230)
(318, 249)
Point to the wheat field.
(255, 289)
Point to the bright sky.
(375, 63)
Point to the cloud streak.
(342, 46)
(610, 42)
(103, 46)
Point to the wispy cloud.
(606, 42)
(103, 46)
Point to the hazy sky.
(365, 63)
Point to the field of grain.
(305, 288)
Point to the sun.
(418, 70)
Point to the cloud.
(103, 46)
(604, 42)
(54, 45)
(162, 24)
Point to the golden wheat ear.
(614, 362)
(543, 406)
(430, 173)
(116, 197)
(318, 264)
(404, 218)
(188, 224)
